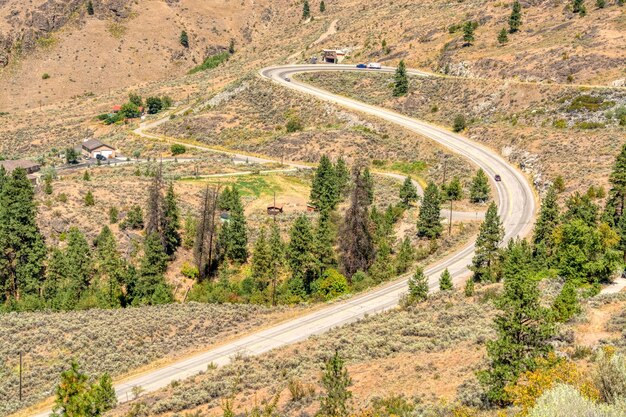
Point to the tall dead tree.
(206, 250)
(155, 203)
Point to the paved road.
(516, 204)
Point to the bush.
(589, 125)
(610, 377)
(331, 285)
(211, 62)
(294, 124)
(134, 219)
(459, 123)
(589, 103)
(189, 271)
(559, 124)
(178, 149)
(45, 76)
(565, 401)
(154, 105)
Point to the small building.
(31, 167)
(274, 210)
(91, 148)
(333, 56)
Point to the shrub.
(134, 219)
(565, 401)
(559, 124)
(190, 271)
(589, 125)
(459, 123)
(45, 76)
(211, 62)
(178, 149)
(299, 390)
(294, 124)
(610, 376)
(589, 103)
(89, 199)
(113, 214)
(331, 285)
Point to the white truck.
(374, 65)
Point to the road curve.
(516, 204)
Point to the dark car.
(100, 157)
(498, 178)
(288, 79)
(361, 66)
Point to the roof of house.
(117, 107)
(93, 144)
(10, 166)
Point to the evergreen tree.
(515, 20)
(324, 247)
(306, 10)
(342, 176)
(445, 281)
(79, 263)
(151, 287)
(89, 199)
(479, 190)
(485, 261)
(383, 268)
(469, 288)
(468, 33)
(324, 191)
(86, 176)
(524, 326)
(614, 212)
(334, 402)
(110, 268)
(47, 185)
(322, 6)
(113, 215)
(90, 10)
(22, 247)
(300, 256)
(356, 246)
(368, 183)
(154, 219)
(566, 304)
(429, 223)
(581, 207)
(547, 222)
(184, 39)
(454, 190)
(277, 248)
(170, 222)
(103, 394)
(578, 6)
(600, 4)
(418, 285)
(135, 99)
(405, 257)
(190, 229)
(408, 192)
(262, 267)
(503, 37)
(401, 83)
(237, 236)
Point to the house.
(32, 168)
(91, 148)
(333, 56)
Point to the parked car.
(498, 178)
(361, 66)
(288, 79)
(100, 157)
(374, 65)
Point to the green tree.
(135, 99)
(129, 111)
(581, 207)
(47, 185)
(503, 37)
(459, 123)
(566, 304)
(469, 287)
(300, 256)
(113, 215)
(515, 20)
(262, 266)
(22, 247)
(418, 285)
(600, 4)
(170, 222)
(237, 231)
(547, 222)
(429, 223)
(90, 10)
(184, 39)
(485, 261)
(134, 218)
(86, 176)
(578, 6)
(401, 81)
(278, 250)
(103, 394)
(342, 176)
(306, 10)
(71, 156)
(615, 209)
(479, 189)
(405, 257)
(408, 192)
(189, 231)
(150, 286)
(324, 191)
(445, 281)
(454, 190)
(383, 269)
(524, 327)
(178, 149)
(89, 199)
(154, 104)
(468, 33)
(322, 6)
(334, 401)
(325, 237)
(79, 262)
(110, 269)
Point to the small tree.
(335, 382)
(445, 281)
(405, 257)
(480, 190)
(178, 149)
(418, 285)
(135, 99)
(600, 4)
(429, 222)
(306, 10)
(154, 104)
(503, 37)
(113, 214)
(90, 10)
(231, 46)
(459, 123)
(566, 303)
(515, 20)
(408, 192)
(401, 83)
(485, 261)
(578, 6)
(184, 39)
(469, 287)
(322, 6)
(454, 190)
(468, 33)
(71, 156)
(86, 176)
(89, 199)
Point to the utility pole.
(445, 167)
(20, 376)
(450, 222)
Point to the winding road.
(515, 199)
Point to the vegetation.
(429, 223)
(184, 39)
(401, 83)
(211, 62)
(479, 189)
(335, 382)
(515, 20)
(459, 123)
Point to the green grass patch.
(589, 125)
(409, 168)
(589, 103)
(211, 62)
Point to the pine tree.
(86, 176)
(503, 37)
(334, 402)
(89, 199)
(306, 10)
(324, 246)
(368, 183)
(110, 268)
(237, 241)
(405, 257)
(429, 223)
(454, 190)
(356, 246)
(566, 304)
(401, 83)
(79, 263)
(300, 256)
(469, 288)
(524, 326)
(190, 229)
(408, 192)
(383, 268)
(90, 10)
(578, 6)
(547, 222)
(616, 204)
(151, 287)
(342, 176)
(581, 207)
(113, 214)
(322, 6)
(103, 395)
(184, 39)
(468, 33)
(600, 4)
(480, 190)
(445, 281)
(324, 191)
(418, 285)
(155, 204)
(170, 222)
(277, 248)
(515, 20)
(262, 268)
(22, 247)
(485, 261)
